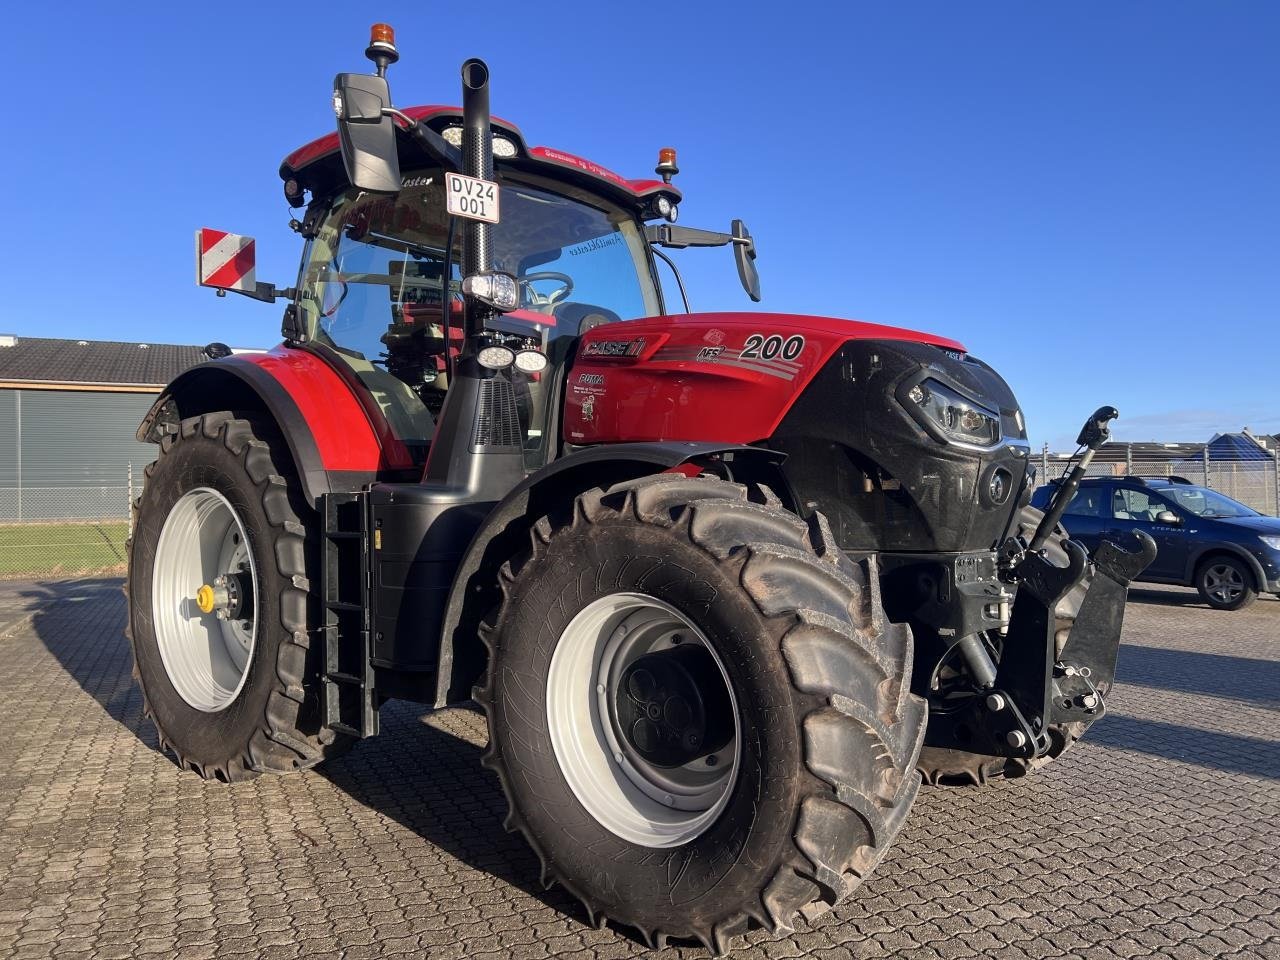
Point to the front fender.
(1240, 553)
(505, 532)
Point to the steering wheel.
(535, 299)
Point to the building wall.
(68, 453)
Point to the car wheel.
(1226, 583)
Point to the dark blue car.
(1227, 551)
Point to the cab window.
(373, 291)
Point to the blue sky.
(1086, 194)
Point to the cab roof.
(317, 166)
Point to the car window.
(1130, 504)
(1209, 503)
(1088, 502)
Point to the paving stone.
(1157, 836)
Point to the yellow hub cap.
(204, 599)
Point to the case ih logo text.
(614, 348)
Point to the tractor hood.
(707, 376)
(835, 395)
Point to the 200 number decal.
(761, 346)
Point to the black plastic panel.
(885, 484)
(420, 533)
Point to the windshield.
(372, 289)
(1207, 503)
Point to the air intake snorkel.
(477, 447)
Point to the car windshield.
(1204, 502)
(372, 290)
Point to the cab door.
(1137, 509)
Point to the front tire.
(818, 735)
(221, 524)
(1225, 583)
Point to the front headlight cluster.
(959, 418)
(1272, 542)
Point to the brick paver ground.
(1158, 836)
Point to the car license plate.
(471, 197)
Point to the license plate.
(471, 197)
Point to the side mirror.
(744, 255)
(367, 132)
(1169, 518)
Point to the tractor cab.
(380, 291)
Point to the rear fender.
(505, 532)
(335, 444)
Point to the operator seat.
(572, 321)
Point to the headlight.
(1272, 542)
(957, 417)
(498, 289)
(531, 361)
(496, 357)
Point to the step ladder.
(350, 701)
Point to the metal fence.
(64, 531)
(1254, 482)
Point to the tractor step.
(350, 701)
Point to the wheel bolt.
(996, 702)
(617, 758)
(712, 760)
(676, 638)
(1088, 701)
(1016, 739)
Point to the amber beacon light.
(382, 46)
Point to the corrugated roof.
(48, 360)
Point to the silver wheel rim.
(1224, 583)
(206, 657)
(632, 798)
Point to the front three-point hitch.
(1043, 680)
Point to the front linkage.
(1043, 686)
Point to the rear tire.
(940, 766)
(1225, 583)
(826, 729)
(233, 716)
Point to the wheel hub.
(229, 597)
(672, 706)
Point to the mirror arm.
(435, 145)
(677, 238)
(266, 292)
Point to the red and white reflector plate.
(470, 197)
(224, 260)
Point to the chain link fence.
(64, 531)
(1253, 482)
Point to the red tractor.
(725, 585)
